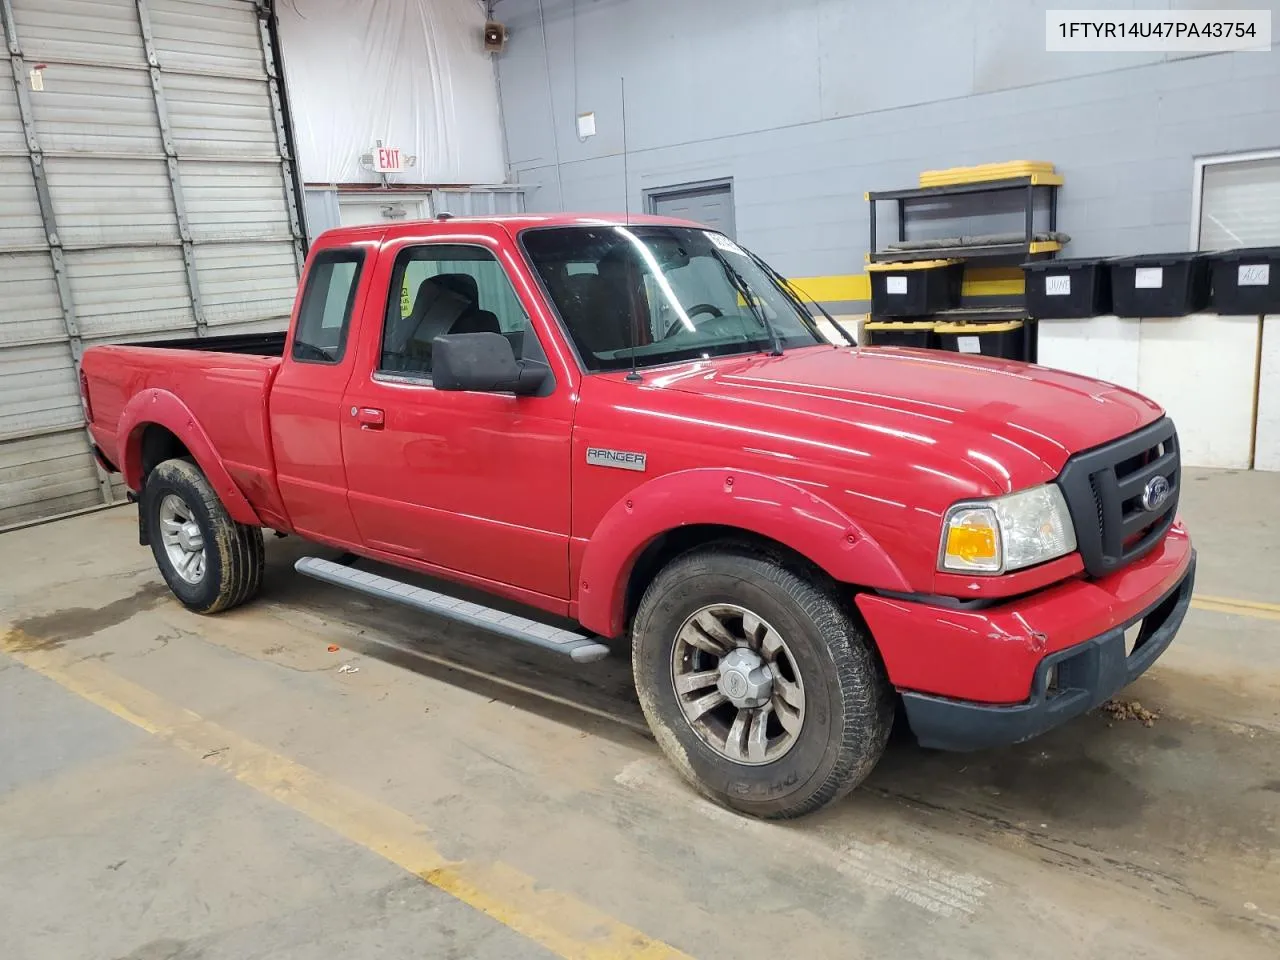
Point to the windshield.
(662, 293)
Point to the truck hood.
(1014, 422)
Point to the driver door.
(469, 482)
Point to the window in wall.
(444, 289)
(1239, 201)
(325, 314)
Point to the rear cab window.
(324, 317)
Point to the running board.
(581, 647)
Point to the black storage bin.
(1006, 339)
(915, 289)
(900, 333)
(1067, 289)
(1246, 281)
(1159, 284)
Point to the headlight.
(1007, 533)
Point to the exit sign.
(388, 160)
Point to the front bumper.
(1088, 674)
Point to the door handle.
(369, 418)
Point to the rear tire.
(210, 562)
(827, 682)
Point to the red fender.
(752, 502)
(165, 409)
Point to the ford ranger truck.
(631, 430)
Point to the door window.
(327, 302)
(441, 289)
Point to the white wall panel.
(1105, 348)
(1200, 368)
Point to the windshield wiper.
(740, 286)
(789, 291)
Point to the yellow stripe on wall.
(978, 282)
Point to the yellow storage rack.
(1039, 172)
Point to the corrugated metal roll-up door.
(146, 191)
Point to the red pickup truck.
(635, 424)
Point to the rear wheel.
(210, 562)
(761, 689)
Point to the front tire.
(210, 562)
(760, 688)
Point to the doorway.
(708, 202)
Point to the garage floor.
(181, 787)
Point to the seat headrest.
(463, 284)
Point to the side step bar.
(581, 647)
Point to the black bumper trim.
(1089, 674)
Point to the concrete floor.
(174, 786)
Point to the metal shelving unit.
(1027, 246)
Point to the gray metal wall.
(145, 191)
(807, 105)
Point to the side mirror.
(485, 362)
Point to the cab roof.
(513, 223)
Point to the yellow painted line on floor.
(1240, 608)
(559, 922)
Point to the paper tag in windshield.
(721, 242)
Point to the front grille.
(1104, 490)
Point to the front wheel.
(210, 562)
(760, 688)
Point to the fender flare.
(165, 409)
(752, 502)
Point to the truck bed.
(254, 344)
(222, 386)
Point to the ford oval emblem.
(1155, 493)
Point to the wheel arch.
(677, 512)
(158, 426)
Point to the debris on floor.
(1130, 710)
(333, 648)
(348, 668)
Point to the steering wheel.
(710, 308)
